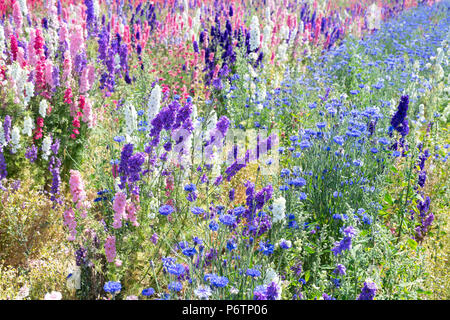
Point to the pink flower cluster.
(124, 209)
(110, 248)
(131, 210)
(69, 221)
(78, 192)
(119, 205)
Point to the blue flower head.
(197, 210)
(112, 287)
(166, 209)
(148, 292)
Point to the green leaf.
(420, 291)
(412, 244)
(307, 275)
(309, 250)
(388, 198)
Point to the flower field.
(224, 150)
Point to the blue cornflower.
(303, 196)
(349, 231)
(339, 140)
(175, 269)
(285, 172)
(285, 244)
(166, 210)
(203, 292)
(197, 240)
(213, 226)
(337, 282)
(148, 292)
(119, 139)
(183, 244)
(298, 182)
(337, 194)
(239, 211)
(175, 286)
(219, 282)
(227, 219)
(197, 210)
(305, 144)
(216, 281)
(253, 273)
(112, 287)
(357, 163)
(266, 248)
(321, 125)
(190, 187)
(383, 141)
(231, 245)
(189, 252)
(367, 219)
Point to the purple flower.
(424, 206)
(154, 238)
(55, 146)
(340, 269)
(90, 16)
(222, 125)
(54, 167)
(429, 220)
(231, 194)
(263, 196)
(259, 293)
(130, 165)
(327, 297)
(422, 178)
(422, 158)
(7, 128)
(368, 291)
(399, 121)
(192, 196)
(343, 245)
(31, 153)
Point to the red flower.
(38, 135)
(40, 122)
(82, 101)
(76, 123)
(14, 47)
(68, 95)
